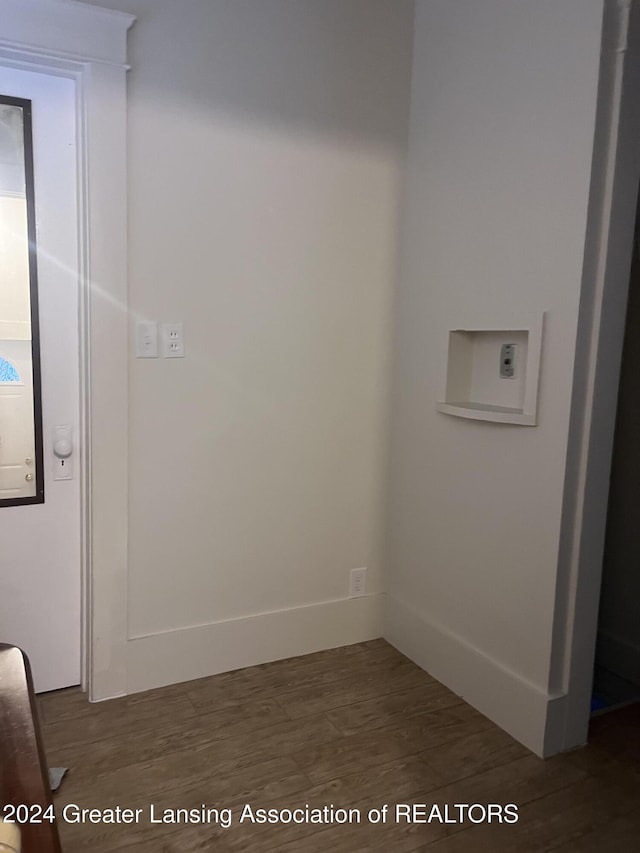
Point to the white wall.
(266, 145)
(501, 141)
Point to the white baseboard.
(620, 656)
(516, 705)
(189, 653)
(529, 714)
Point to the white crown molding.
(125, 18)
(57, 27)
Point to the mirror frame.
(38, 498)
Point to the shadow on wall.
(278, 62)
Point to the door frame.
(89, 45)
(607, 268)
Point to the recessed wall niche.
(492, 373)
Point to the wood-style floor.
(357, 727)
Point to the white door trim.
(88, 44)
(610, 235)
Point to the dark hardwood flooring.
(356, 727)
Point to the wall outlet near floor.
(358, 583)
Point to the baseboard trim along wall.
(516, 705)
(188, 653)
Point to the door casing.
(88, 44)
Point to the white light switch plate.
(146, 340)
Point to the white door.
(40, 567)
